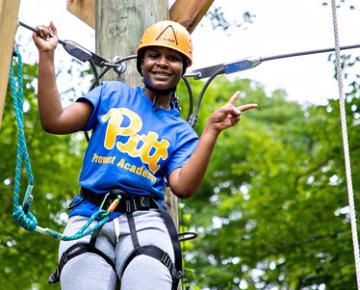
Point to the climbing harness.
(346, 145)
(128, 206)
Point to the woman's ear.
(142, 65)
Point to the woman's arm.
(185, 181)
(54, 118)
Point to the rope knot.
(26, 220)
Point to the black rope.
(191, 97)
(193, 118)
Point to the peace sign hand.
(228, 115)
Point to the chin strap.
(174, 100)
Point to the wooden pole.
(83, 9)
(186, 12)
(9, 10)
(189, 12)
(119, 27)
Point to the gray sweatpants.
(90, 271)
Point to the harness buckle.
(165, 259)
(143, 202)
(178, 274)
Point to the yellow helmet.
(168, 34)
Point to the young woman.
(138, 144)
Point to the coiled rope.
(346, 145)
(21, 212)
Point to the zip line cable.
(83, 54)
(77, 51)
(211, 72)
(346, 145)
(248, 63)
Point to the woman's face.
(162, 67)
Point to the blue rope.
(21, 212)
(103, 215)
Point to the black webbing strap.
(132, 227)
(155, 252)
(126, 204)
(175, 241)
(74, 251)
(129, 206)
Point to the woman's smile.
(162, 67)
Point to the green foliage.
(272, 211)
(28, 258)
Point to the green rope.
(21, 212)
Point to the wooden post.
(83, 9)
(119, 27)
(186, 12)
(189, 12)
(9, 10)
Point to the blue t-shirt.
(132, 146)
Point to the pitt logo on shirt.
(147, 147)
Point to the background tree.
(276, 211)
(28, 258)
(271, 213)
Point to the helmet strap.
(174, 100)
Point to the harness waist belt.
(126, 204)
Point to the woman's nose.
(161, 60)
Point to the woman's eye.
(174, 58)
(153, 55)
